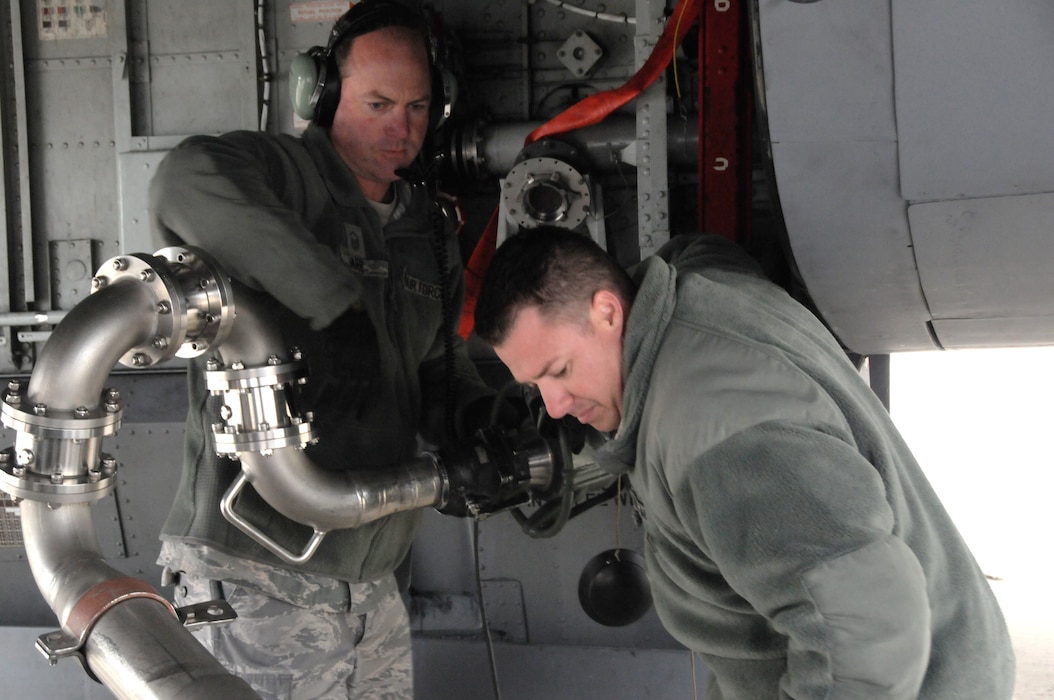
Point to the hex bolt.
(80, 411)
(274, 360)
(94, 475)
(212, 364)
(98, 282)
(237, 364)
(18, 471)
(109, 464)
(140, 360)
(40, 409)
(146, 275)
(159, 343)
(163, 307)
(119, 264)
(57, 478)
(14, 386)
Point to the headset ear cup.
(304, 82)
(329, 92)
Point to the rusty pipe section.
(143, 310)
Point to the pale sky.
(980, 423)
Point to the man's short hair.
(550, 268)
(368, 16)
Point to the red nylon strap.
(595, 107)
(590, 110)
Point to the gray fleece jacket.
(791, 538)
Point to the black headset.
(314, 77)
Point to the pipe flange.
(240, 378)
(547, 189)
(18, 479)
(169, 305)
(231, 442)
(192, 300)
(42, 421)
(209, 294)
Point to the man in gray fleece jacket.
(791, 538)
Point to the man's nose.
(399, 125)
(557, 401)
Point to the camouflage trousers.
(287, 652)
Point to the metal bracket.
(212, 612)
(86, 612)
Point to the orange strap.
(590, 110)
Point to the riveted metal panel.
(72, 160)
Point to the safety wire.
(593, 14)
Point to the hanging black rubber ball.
(614, 588)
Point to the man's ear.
(607, 312)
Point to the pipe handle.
(227, 509)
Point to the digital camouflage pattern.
(336, 641)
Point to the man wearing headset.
(349, 256)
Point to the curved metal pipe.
(125, 632)
(294, 486)
(286, 477)
(136, 647)
(75, 362)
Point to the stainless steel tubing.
(301, 491)
(288, 479)
(127, 634)
(136, 646)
